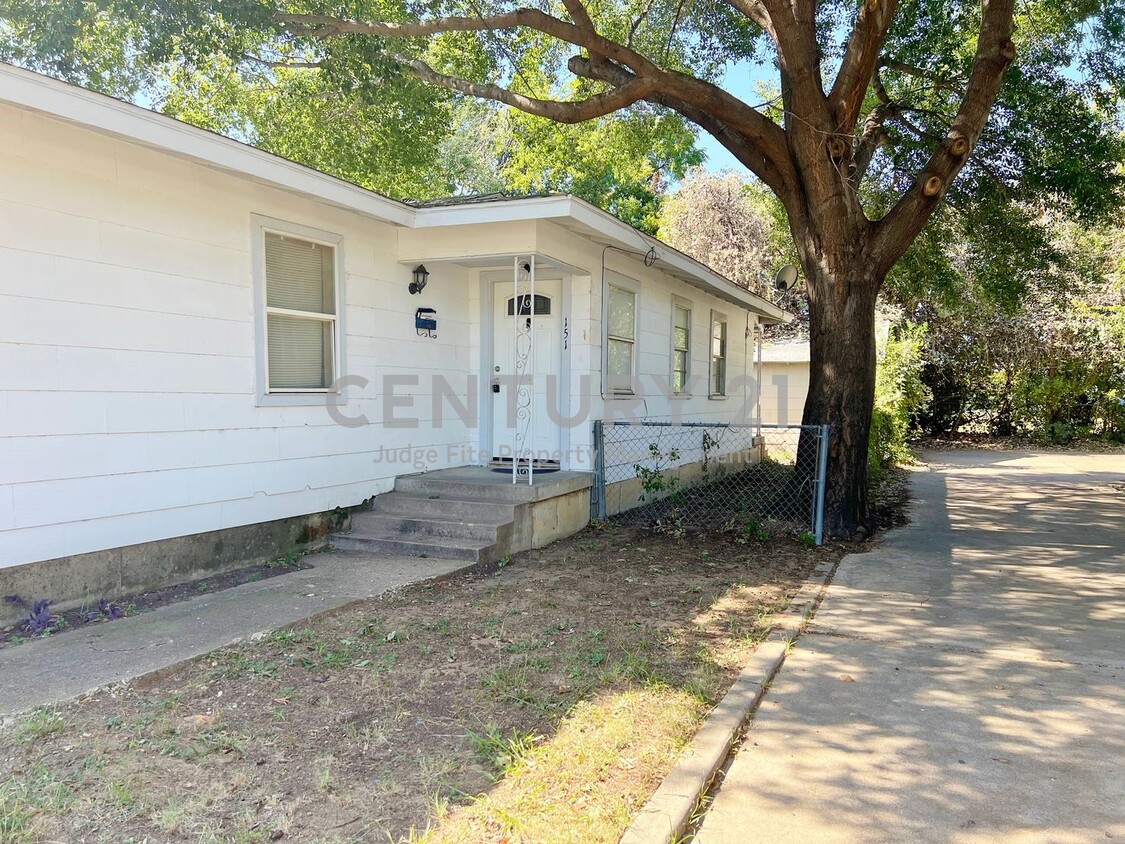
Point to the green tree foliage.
(1052, 369)
(392, 133)
(1029, 340)
(622, 164)
(293, 113)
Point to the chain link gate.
(707, 476)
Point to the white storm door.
(542, 434)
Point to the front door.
(511, 416)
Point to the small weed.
(752, 531)
(594, 658)
(42, 722)
(807, 538)
(171, 817)
(105, 611)
(672, 526)
(345, 652)
(435, 771)
(167, 704)
(654, 482)
(292, 560)
(324, 773)
(636, 666)
(513, 684)
(119, 794)
(292, 636)
(441, 627)
(503, 752)
(522, 647)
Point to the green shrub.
(900, 396)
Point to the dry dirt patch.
(542, 702)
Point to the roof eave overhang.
(607, 229)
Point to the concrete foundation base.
(70, 582)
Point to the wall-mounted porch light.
(420, 276)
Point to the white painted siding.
(128, 398)
(127, 393)
(654, 342)
(784, 389)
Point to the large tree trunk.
(843, 282)
(842, 390)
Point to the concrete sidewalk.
(61, 667)
(963, 682)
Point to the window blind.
(300, 353)
(300, 276)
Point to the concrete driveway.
(963, 682)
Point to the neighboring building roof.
(797, 352)
(117, 118)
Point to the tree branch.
(755, 11)
(575, 111)
(323, 26)
(861, 59)
(872, 137)
(276, 63)
(995, 51)
(756, 141)
(920, 73)
(762, 144)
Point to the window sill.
(717, 398)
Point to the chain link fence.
(753, 480)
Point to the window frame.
(718, 318)
(630, 286)
(679, 303)
(289, 396)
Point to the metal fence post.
(597, 491)
(821, 480)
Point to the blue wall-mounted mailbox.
(425, 321)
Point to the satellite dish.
(786, 277)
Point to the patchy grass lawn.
(540, 703)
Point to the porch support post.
(523, 284)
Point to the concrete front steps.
(469, 513)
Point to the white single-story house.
(785, 381)
(208, 353)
